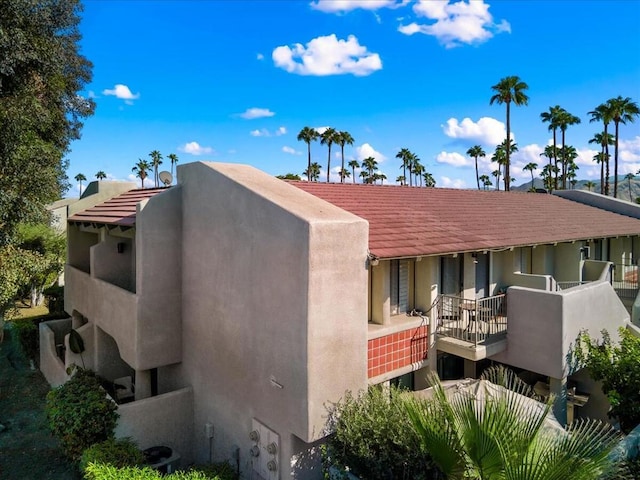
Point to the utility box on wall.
(265, 452)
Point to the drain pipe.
(208, 430)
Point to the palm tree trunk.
(309, 161)
(602, 171)
(329, 163)
(555, 159)
(507, 173)
(342, 169)
(477, 177)
(615, 164)
(606, 149)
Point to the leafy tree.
(504, 436)
(101, 175)
(531, 167)
(80, 178)
(328, 137)
(308, 135)
(509, 90)
(289, 176)
(41, 76)
(342, 139)
(622, 110)
(173, 158)
(140, 169)
(475, 152)
(156, 161)
(603, 113)
(353, 164)
(617, 367)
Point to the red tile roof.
(120, 210)
(412, 221)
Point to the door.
(482, 275)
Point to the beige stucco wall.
(543, 326)
(274, 307)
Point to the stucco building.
(238, 305)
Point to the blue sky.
(235, 81)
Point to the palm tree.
(313, 173)
(486, 181)
(174, 160)
(101, 175)
(327, 138)
(552, 117)
(565, 119)
(401, 179)
(405, 156)
(475, 152)
(370, 165)
(628, 177)
(156, 161)
(602, 113)
(344, 173)
(530, 167)
(418, 169)
(379, 176)
(354, 164)
(80, 178)
(622, 110)
(308, 135)
(342, 139)
(509, 90)
(604, 140)
(551, 153)
(140, 169)
(504, 433)
(589, 184)
(497, 173)
(366, 178)
(429, 181)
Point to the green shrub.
(54, 299)
(80, 414)
(221, 471)
(122, 452)
(374, 439)
(26, 333)
(109, 472)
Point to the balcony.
(472, 328)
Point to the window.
(399, 287)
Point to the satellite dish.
(166, 178)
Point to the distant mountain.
(623, 187)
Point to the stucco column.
(143, 384)
(381, 293)
(558, 387)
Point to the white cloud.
(251, 113)
(454, 159)
(291, 151)
(629, 150)
(122, 92)
(263, 132)
(486, 130)
(452, 182)
(338, 6)
(320, 130)
(281, 131)
(260, 56)
(365, 150)
(327, 56)
(454, 24)
(194, 148)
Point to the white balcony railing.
(473, 321)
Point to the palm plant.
(370, 165)
(344, 173)
(354, 164)
(628, 177)
(308, 135)
(565, 120)
(602, 113)
(497, 173)
(328, 137)
(429, 181)
(80, 178)
(418, 169)
(531, 167)
(509, 90)
(401, 179)
(313, 172)
(140, 169)
(589, 184)
(405, 156)
(475, 152)
(366, 177)
(486, 181)
(101, 175)
(156, 161)
(604, 140)
(503, 433)
(552, 117)
(342, 139)
(174, 160)
(622, 110)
